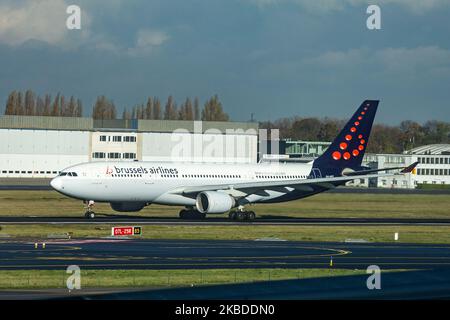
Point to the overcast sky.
(273, 58)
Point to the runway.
(198, 254)
(262, 220)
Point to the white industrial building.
(39, 147)
(433, 167)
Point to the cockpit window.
(70, 174)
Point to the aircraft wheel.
(251, 215)
(182, 214)
(89, 215)
(200, 215)
(241, 216)
(232, 215)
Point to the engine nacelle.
(127, 206)
(214, 202)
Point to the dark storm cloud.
(267, 57)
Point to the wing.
(308, 185)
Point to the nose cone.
(56, 184)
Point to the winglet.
(410, 168)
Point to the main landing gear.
(191, 214)
(241, 215)
(89, 206)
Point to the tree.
(29, 103)
(156, 109)
(11, 103)
(149, 109)
(170, 110)
(196, 109)
(79, 109)
(56, 110)
(47, 102)
(188, 110)
(126, 114)
(182, 112)
(70, 109)
(329, 129)
(213, 111)
(39, 107)
(19, 107)
(103, 109)
(306, 129)
(142, 112)
(63, 106)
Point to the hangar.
(39, 147)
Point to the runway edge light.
(396, 236)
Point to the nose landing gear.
(89, 207)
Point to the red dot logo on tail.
(336, 155)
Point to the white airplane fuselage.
(206, 188)
(154, 182)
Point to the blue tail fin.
(347, 150)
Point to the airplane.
(205, 189)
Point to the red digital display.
(122, 231)
(126, 231)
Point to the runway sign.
(126, 231)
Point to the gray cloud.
(416, 6)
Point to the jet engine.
(214, 202)
(127, 206)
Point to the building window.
(129, 155)
(114, 155)
(102, 138)
(117, 139)
(98, 155)
(129, 139)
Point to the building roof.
(89, 124)
(435, 149)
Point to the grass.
(325, 205)
(408, 234)
(34, 279)
(49, 203)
